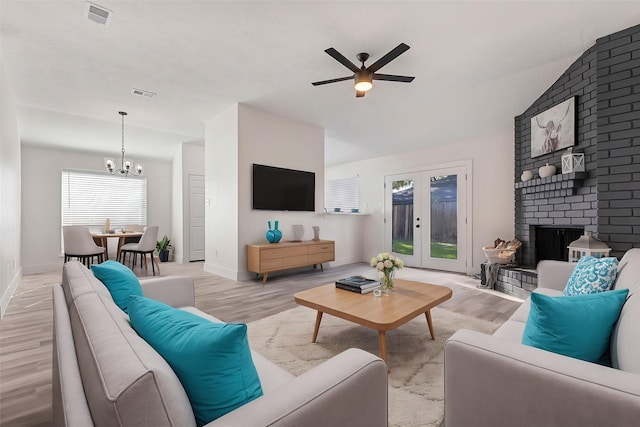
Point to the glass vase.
(386, 280)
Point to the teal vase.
(273, 235)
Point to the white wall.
(256, 136)
(493, 193)
(10, 261)
(221, 193)
(177, 240)
(41, 169)
(189, 160)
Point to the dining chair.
(146, 245)
(78, 243)
(132, 228)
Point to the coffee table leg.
(383, 345)
(317, 327)
(430, 323)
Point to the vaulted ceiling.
(477, 64)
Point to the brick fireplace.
(605, 199)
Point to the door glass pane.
(444, 217)
(402, 217)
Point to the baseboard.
(6, 297)
(221, 271)
(347, 260)
(42, 268)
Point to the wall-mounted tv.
(280, 189)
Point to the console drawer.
(295, 261)
(325, 248)
(294, 251)
(270, 264)
(271, 253)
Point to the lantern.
(587, 245)
(572, 162)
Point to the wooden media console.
(269, 257)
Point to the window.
(341, 193)
(89, 198)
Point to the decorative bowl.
(526, 175)
(546, 170)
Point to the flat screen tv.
(280, 189)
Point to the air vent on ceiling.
(144, 93)
(97, 14)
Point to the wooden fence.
(444, 222)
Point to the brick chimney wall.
(605, 199)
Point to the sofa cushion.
(126, 382)
(592, 275)
(271, 375)
(120, 281)
(212, 360)
(577, 326)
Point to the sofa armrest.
(492, 382)
(69, 404)
(349, 389)
(177, 291)
(554, 274)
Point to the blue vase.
(273, 235)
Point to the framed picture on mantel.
(554, 129)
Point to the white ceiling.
(477, 65)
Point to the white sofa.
(494, 380)
(104, 374)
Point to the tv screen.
(279, 189)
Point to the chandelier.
(125, 165)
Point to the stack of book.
(358, 284)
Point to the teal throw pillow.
(592, 275)
(577, 326)
(212, 360)
(120, 281)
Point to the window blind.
(341, 193)
(89, 198)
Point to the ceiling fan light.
(363, 85)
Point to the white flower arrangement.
(386, 264)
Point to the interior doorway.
(196, 218)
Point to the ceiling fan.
(364, 76)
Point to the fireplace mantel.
(565, 184)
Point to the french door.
(426, 219)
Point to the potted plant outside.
(163, 247)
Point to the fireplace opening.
(552, 242)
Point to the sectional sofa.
(104, 374)
(495, 380)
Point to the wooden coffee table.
(408, 300)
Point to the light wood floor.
(26, 329)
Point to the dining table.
(102, 239)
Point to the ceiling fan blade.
(360, 93)
(393, 78)
(339, 79)
(395, 52)
(341, 59)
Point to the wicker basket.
(499, 256)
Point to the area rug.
(416, 380)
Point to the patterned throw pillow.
(592, 275)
